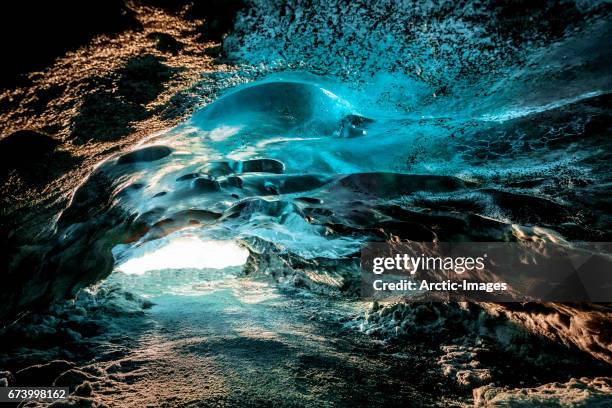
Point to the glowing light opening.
(188, 253)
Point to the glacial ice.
(457, 134)
(300, 169)
(298, 165)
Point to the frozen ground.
(242, 343)
(230, 341)
(210, 337)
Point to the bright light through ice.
(188, 252)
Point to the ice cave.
(188, 190)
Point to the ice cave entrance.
(187, 252)
(184, 265)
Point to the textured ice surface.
(280, 161)
(238, 164)
(577, 392)
(305, 166)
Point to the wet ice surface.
(293, 166)
(244, 162)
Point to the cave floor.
(214, 338)
(244, 343)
